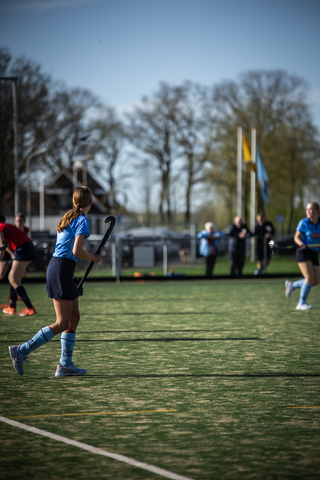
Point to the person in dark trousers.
(264, 231)
(238, 234)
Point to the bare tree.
(33, 88)
(151, 130)
(273, 102)
(194, 125)
(109, 138)
(49, 116)
(69, 127)
(183, 132)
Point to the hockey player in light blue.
(307, 237)
(73, 229)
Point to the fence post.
(165, 259)
(193, 242)
(252, 249)
(117, 259)
(114, 259)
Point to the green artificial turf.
(279, 265)
(208, 380)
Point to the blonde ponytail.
(82, 197)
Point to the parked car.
(44, 245)
(157, 237)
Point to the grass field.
(206, 380)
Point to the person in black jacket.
(238, 234)
(264, 231)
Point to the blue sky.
(122, 49)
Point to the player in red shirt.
(23, 253)
(8, 256)
(20, 221)
(5, 261)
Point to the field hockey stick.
(309, 245)
(111, 220)
(278, 246)
(290, 246)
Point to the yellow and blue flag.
(246, 150)
(262, 178)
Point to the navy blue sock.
(24, 296)
(13, 297)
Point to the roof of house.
(63, 183)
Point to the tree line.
(180, 139)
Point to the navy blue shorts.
(307, 255)
(6, 258)
(25, 252)
(60, 283)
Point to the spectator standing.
(209, 246)
(238, 234)
(264, 231)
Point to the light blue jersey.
(310, 232)
(66, 238)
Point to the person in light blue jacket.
(209, 247)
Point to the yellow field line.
(93, 413)
(303, 407)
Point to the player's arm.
(80, 252)
(298, 238)
(11, 252)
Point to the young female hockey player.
(73, 229)
(307, 237)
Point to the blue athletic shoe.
(288, 286)
(69, 371)
(17, 358)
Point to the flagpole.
(239, 172)
(253, 192)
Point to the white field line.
(97, 451)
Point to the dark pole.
(14, 81)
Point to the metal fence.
(141, 248)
